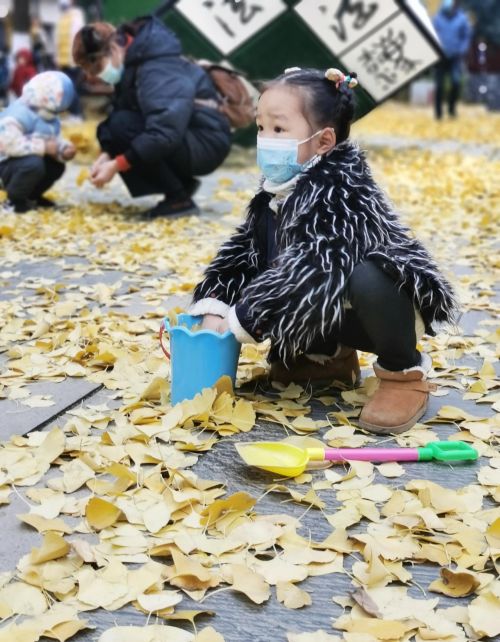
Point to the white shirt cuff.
(209, 306)
(237, 329)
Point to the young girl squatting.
(322, 265)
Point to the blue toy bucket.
(198, 359)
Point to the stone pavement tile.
(19, 419)
(18, 538)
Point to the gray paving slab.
(19, 419)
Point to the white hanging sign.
(386, 42)
(228, 23)
(340, 23)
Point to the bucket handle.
(165, 351)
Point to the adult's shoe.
(169, 207)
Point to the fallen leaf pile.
(124, 521)
(473, 125)
(82, 135)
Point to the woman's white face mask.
(111, 74)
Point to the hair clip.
(335, 75)
(351, 80)
(291, 70)
(339, 78)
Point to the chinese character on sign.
(361, 12)
(244, 11)
(342, 23)
(390, 56)
(228, 23)
(386, 57)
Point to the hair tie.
(291, 70)
(339, 78)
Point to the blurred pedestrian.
(165, 127)
(42, 51)
(4, 75)
(4, 65)
(71, 20)
(32, 152)
(454, 31)
(24, 71)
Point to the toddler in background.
(32, 151)
(24, 71)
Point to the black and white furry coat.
(335, 217)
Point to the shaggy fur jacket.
(335, 217)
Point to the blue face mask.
(277, 157)
(111, 74)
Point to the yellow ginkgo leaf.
(83, 176)
(209, 634)
(455, 583)
(252, 584)
(101, 514)
(292, 596)
(53, 547)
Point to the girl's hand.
(215, 323)
(51, 147)
(104, 173)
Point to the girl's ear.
(327, 141)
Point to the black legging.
(381, 321)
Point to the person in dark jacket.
(322, 265)
(454, 31)
(165, 127)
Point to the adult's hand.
(103, 158)
(104, 173)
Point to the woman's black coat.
(161, 86)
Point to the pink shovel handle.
(371, 454)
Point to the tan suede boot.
(399, 401)
(343, 368)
